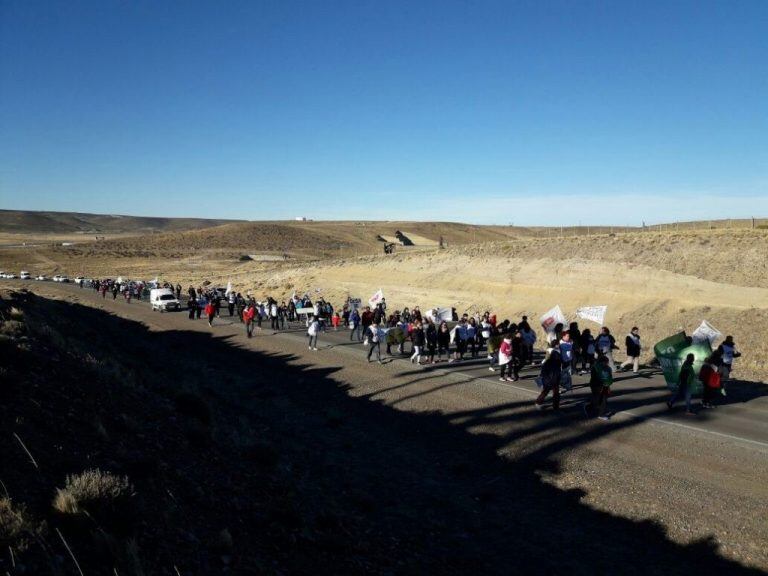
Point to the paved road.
(742, 416)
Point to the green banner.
(671, 353)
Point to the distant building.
(301, 218)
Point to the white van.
(25, 275)
(163, 299)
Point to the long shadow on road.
(366, 488)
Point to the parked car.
(25, 275)
(42, 278)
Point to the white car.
(10, 276)
(57, 278)
(79, 280)
(25, 275)
(41, 278)
(163, 299)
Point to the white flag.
(229, 288)
(551, 319)
(594, 314)
(376, 298)
(705, 332)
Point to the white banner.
(438, 315)
(705, 332)
(551, 319)
(594, 314)
(305, 311)
(354, 303)
(376, 298)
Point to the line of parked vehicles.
(25, 275)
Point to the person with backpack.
(550, 378)
(633, 351)
(684, 386)
(312, 331)
(600, 381)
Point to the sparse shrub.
(100, 495)
(14, 524)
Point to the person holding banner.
(633, 351)
(313, 331)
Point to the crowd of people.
(507, 346)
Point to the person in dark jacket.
(550, 378)
(430, 335)
(417, 339)
(633, 351)
(684, 386)
(443, 341)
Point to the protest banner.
(354, 303)
(594, 314)
(671, 353)
(438, 315)
(706, 333)
(551, 319)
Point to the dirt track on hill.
(704, 493)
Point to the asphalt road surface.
(702, 477)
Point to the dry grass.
(14, 525)
(93, 492)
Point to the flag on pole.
(376, 298)
(594, 314)
(551, 319)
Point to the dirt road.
(692, 487)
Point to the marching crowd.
(507, 346)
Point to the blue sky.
(480, 111)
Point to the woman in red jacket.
(210, 311)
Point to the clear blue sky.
(481, 111)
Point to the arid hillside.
(31, 222)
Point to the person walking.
(443, 341)
(191, 305)
(632, 342)
(710, 378)
(606, 344)
(529, 339)
(600, 382)
(355, 333)
(728, 352)
(566, 357)
(550, 378)
(312, 332)
(587, 347)
(231, 301)
(373, 336)
(210, 312)
(684, 386)
(417, 338)
(505, 357)
(430, 335)
(248, 314)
